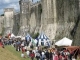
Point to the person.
(37, 55)
(32, 55)
(60, 56)
(1, 44)
(55, 56)
(22, 51)
(43, 56)
(47, 55)
(27, 52)
(22, 55)
(31, 46)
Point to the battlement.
(8, 9)
(36, 4)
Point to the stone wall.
(59, 17)
(8, 20)
(77, 33)
(67, 15)
(56, 18)
(16, 25)
(30, 17)
(35, 17)
(1, 23)
(48, 22)
(76, 30)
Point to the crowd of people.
(28, 50)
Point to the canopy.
(64, 42)
(22, 38)
(72, 48)
(28, 37)
(12, 35)
(42, 36)
(18, 36)
(75, 50)
(43, 39)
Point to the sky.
(10, 4)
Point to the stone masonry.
(56, 18)
(1, 23)
(8, 20)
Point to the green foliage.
(35, 35)
(2, 14)
(16, 53)
(5, 54)
(0, 34)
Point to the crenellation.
(8, 9)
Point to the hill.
(7, 55)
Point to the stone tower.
(49, 18)
(8, 20)
(24, 16)
(59, 17)
(1, 24)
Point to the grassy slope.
(7, 55)
(16, 53)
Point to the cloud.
(35, 0)
(14, 5)
(8, 1)
(10, 4)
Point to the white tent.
(64, 42)
(18, 36)
(22, 38)
(12, 35)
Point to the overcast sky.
(10, 4)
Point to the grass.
(16, 53)
(7, 55)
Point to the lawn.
(5, 54)
(16, 53)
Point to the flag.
(33, 42)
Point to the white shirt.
(27, 52)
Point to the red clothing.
(60, 57)
(65, 57)
(1, 44)
(55, 57)
(32, 55)
(23, 50)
